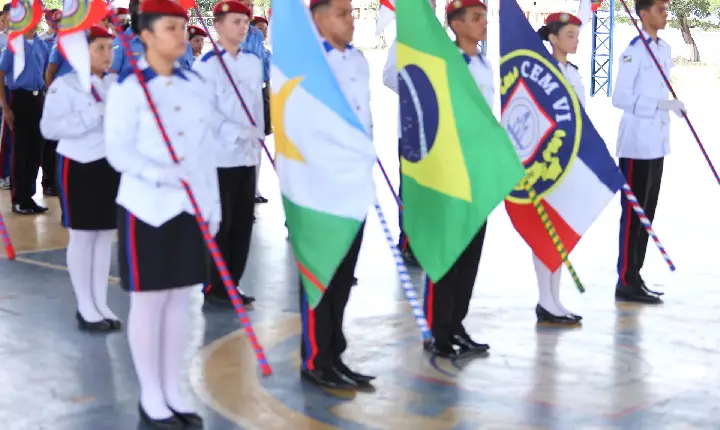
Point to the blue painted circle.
(419, 113)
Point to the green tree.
(685, 15)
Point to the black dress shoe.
(101, 326)
(225, 303)
(247, 300)
(37, 208)
(543, 316)
(171, 423)
(358, 378)
(190, 419)
(260, 199)
(328, 378)
(635, 294)
(23, 209)
(115, 325)
(467, 345)
(657, 293)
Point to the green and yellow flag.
(457, 162)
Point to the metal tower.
(601, 66)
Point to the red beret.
(122, 11)
(163, 7)
(460, 4)
(259, 19)
(231, 6)
(53, 15)
(97, 31)
(564, 18)
(196, 31)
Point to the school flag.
(24, 15)
(323, 154)
(78, 17)
(457, 162)
(567, 162)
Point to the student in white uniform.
(562, 31)
(162, 255)
(323, 340)
(390, 79)
(447, 302)
(86, 182)
(238, 149)
(643, 141)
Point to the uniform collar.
(149, 73)
(329, 47)
(649, 39)
(469, 58)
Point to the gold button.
(169, 82)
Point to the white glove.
(674, 105)
(172, 176)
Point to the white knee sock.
(144, 329)
(79, 261)
(545, 280)
(101, 271)
(175, 339)
(555, 286)
(257, 178)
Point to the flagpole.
(672, 91)
(209, 240)
(645, 221)
(405, 280)
(553, 234)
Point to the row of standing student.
(643, 142)
(136, 187)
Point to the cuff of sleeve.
(645, 107)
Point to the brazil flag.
(457, 162)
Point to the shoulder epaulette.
(571, 64)
(208, 55)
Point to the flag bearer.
(163, 258)
(323, 339)
(22, 111)
(447, 301)
(87, 183)
(49, 156)
(562, 31)
(643, 141)
(390, 79)
(238, 149)
(196, 36)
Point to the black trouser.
(447, 302)
(28, 142)
(266, 109)
(49, 163)
(323, 340)
(402, 241)
(237, 197)
(644, 178)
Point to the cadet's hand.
(9, 118)
(674, 105)
(173, 176)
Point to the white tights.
(157, 334)
(257, 178)
(549, 288)
(88, 260)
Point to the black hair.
(6, 8)
(146, 21)
(134, 10)
(551, 28)
(456, 14)
(641, 5)
(319, 5)
(91, 39)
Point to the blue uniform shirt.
(63, 65)
(121, 64)
(32, 77)
(255, 44)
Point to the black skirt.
(87, 194)
(173, 255)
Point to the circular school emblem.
(419, 112)
(542, 117)
(18, 16)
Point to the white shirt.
(240, 140)
(571, 73)
(136, 149)
(72, 116)
(352, 71)
(644, 129)
(481, 70)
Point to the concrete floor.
(628, 367)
